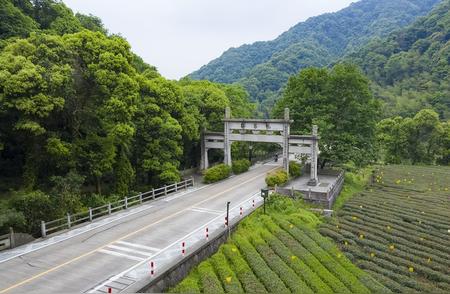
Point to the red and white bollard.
(253, 203)
(207, 234)
(152, 269)
(240, 212)
(109, 290)
(183, 248)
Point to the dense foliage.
(421, 139)
(295, 169)
(397, 229)
(240, 166)
(21, 17)
(278, 177)
(339, 101)
(411, 68)
(278, 252)
(264, 67)
(216, 173)
(77, 103)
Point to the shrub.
(278, 177)
(249, 281)
(35, 206)
(217, 173)
(208, 279)
(295, 169)
(240, 166)
(11, 218)
(188, 285)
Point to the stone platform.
(325, 193)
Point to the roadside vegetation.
(216, 173)
(280, 252)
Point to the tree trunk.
(322, 164)
(98, 185)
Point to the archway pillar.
(314, 180)
(227, 142)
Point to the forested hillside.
(411, 68)
(264, 67)
(82, 118)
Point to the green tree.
(339, 101)
(14, 21)
(421, 139)
(426, 137)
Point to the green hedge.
(278, 177)
(240, 166)
(295, 169)
(217, 173)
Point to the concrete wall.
(180, 270)
(322, 198)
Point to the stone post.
(286, 130)
(43, 230)
(204, 164)
(226, 141)
(314, 180)
(12, 238)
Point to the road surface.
(85, 262)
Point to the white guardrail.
(92, 213)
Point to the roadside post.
(228, 220)
(264, 195)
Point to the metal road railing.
(92, 213)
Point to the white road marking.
(205, 210)
(130, 250)
(121, 255)
(138, 246)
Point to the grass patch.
(354, 183)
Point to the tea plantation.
(392, 236)
(280, 252)
(398, 229)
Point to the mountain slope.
(264, 67)
(411, 68)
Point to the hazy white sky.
(179, 36)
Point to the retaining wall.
(180, 270)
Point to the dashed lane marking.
(138, 246)
(115, 253)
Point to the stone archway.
(262, 130)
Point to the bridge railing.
(92, 213)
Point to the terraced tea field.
(281, 252)
(398, 230)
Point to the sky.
(179, 36)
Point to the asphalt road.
(85, 262)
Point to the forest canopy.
(83, 118)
